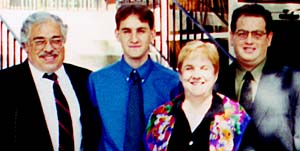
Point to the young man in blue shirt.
(109, 87)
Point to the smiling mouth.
(198, 82)
(202, 81)
(134, 46)
(49, 58)
(249, 49)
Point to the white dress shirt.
(46, 95)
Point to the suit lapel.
(30, 109)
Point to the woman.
(200, 118)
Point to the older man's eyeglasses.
(243, 34)
(55, 42)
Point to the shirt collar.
(38, 74)
(215, 108)
(256, 72)
(144, 70)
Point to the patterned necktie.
(246, 91)
(135, 115)
(66, 139)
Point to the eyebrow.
(238, 30)
(40, 37)
(139, 28)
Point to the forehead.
(45, 29)
(251, 23)
(133, 22)
(196, 56)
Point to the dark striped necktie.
(66, 139)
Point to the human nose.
(197, 74)
(134, 37)
(48, 46)
(250, 38)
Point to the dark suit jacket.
(23, 125)
(276, 107)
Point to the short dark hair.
(139, 9)
(252, 10)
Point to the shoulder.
(164, 75)
(234, 113)
(164, 70)
(296, 77)
(160, 115)
(292, 80)
(20, 70)
(76, 70)
(233, 108)
(115, 67)
(228, 69)
(69, 66)
(164, 108)
(164, 80)
(286, 75)
(107, 72)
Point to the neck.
(198, 102)
(249, 66)
(196, 109)
(136, 62)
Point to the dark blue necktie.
(66, 139)
(246, 91)
(135, 115)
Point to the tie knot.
(248, 76)
(51, 76)
(134, 76)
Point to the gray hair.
(39, 17)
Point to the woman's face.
(198, 74)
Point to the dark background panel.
(285, 47)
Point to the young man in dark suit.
(29, 112)
(275, 101)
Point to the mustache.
(48, 53)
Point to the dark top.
(182, 139)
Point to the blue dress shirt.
(109, 91)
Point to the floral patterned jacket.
(226, 130)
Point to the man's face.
(135, 37)
(45, 48)
(250, 41)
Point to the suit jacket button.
(191, 143)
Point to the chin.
(197, 92)
(51, 68)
